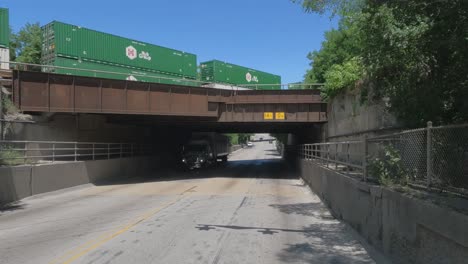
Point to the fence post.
(328, 155)
(108, 151)
(53, 152)
(364, 158)
(25, 151)
(93, 152)
(336, 156)
(120, 150)
(76, 151)
(429, 153)
(347, 159)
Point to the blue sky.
(269, 35)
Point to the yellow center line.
(91, 245)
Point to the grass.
(10, 157)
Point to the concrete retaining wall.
(20, 182)
(404, 228)
(347, 115)
(71, 127)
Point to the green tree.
(342, 76)
(243, 138)
(415, 53)
(340, 46)
(333, 6)
(412, 52)
(27, 44)
(12, 45)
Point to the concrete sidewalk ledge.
(404, 228)
(23, 181)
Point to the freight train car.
(90, 69)
(223, 72)
(78, 47)
(4, 39)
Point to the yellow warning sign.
(279, 116)
(268, 115)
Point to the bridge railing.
(36, 152)
(344, 156)
(430, 157)
(159, 79)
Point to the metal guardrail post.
(121, 150)
(429, 153)
(76, 149)
(364, 158)
(25, 152)
(347, 159)
(53, 152)
(328, 155)
(313, 152)
(336, 156)
(93, 152)
(108, 151)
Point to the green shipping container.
(4, 28)
(65, 40)
(222, 72)
(88, 69)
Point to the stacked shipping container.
(76, 47)
(222, 72)
(4, 39)
(85, 52)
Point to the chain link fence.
(449, 157)
(433, 157)
(398, 158)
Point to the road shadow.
(266, 169)
(261, 230)
(327, 242)
(14, 206)
(317, 209)
(323, 252)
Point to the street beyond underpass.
(254, 209)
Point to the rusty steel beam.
(48, 92)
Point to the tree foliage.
(26, 44)
(413, 52)
(334, 6)
(342, 76)
(236, 139)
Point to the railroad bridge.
(48, 92)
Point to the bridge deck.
(46, 92)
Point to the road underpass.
(254, 209)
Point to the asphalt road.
(253, 210)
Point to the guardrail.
(33, 152)
(346, 156)
(158, 79)
(431, 157)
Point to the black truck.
(204, 150)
